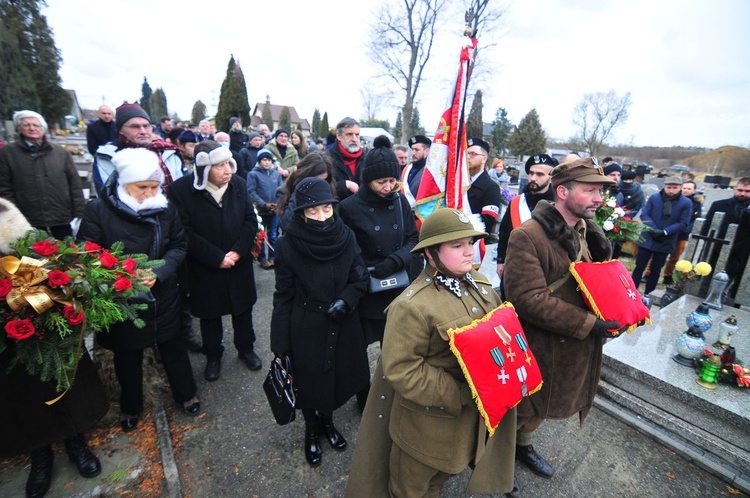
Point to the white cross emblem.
(631, 294)
(503, 376)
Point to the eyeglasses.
(474, 154)
(138, 127)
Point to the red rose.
(122, 284)
(44, 248)
(129, 266)
(57, 278)
(107, 260)
(73, 316)
(91, 246)
(5, 287)
(19, 329)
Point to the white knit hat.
(137, 165)
(19, 115)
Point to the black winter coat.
(342, 173)
(485, 199)
(213, 230)
(329, 358)
(381, 234)
(155, 232)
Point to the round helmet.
(444, 225)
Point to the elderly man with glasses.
(40, 178)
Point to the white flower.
(608, 225)
(611, 202)
(619, 211)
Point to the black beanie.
(381, 163)
(311, 192)
(129, 111)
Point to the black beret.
(479, 143)
(540, 159)
(419, 139)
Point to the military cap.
(444, 225)
(584, 170)
(479, 143)
(419, 139)
(540, 159)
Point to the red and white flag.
(446, 176)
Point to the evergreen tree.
(315, 127)
(233, 97)
(474, 124)
(265, 115)
(376, 123)
(35, 47)
(396, 132)
(325, 128)
(145, 102)
(16, 84)
(158, 104)
(285, 119)
(416, 126)
(528, 137)
(501, 128)
(199, 112)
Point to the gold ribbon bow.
(26, 273)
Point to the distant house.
(369, 134)
(296, 122)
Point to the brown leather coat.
(557, 325)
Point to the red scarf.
(350, 160)
(158, 146)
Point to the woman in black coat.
(134, 211)
(320, 278)
(221, 225)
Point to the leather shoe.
(213, 370)
(313, 451)
(80, 454)
(535, 462)
(129, 423)
(335, 439)
(40, 476)
(251, 360)
(516, 492)
(192, 407)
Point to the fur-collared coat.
(558, 325)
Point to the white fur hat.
(137, 165)
(19, 115)
(208, 153)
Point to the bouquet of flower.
(53, 293)
(617, 228)
(506, 196)
(685, 272)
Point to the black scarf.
(667, 203)
(320, 245)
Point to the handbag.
(397, 280)
(280, 390)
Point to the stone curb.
(171, 474)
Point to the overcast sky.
(686, 63)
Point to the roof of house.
(275, 109)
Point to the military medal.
(522, 376)
(525, 348)
(499, 360)
(631, 293)
(505, 337)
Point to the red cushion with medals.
(497, 362)
(610, 293)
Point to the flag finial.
(469, 17)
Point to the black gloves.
(601, 328)
(386, 267)
(658, 235)
(338, 310)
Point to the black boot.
(516, 491)
(534, 461)
(80, 454)
(362, 398)
(335, 438)
(313, 451)
(41, 472)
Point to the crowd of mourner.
(336, 217)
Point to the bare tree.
(371, 101)
(401, 43)
(597, 115)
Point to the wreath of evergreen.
(54, 293)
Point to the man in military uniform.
(564, 335)
(484, 195)
(420, 425)
(412, 174)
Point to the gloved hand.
(386, 267)
(338, 310)
(658, 235)
(601, 328)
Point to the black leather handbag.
(280, 390)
